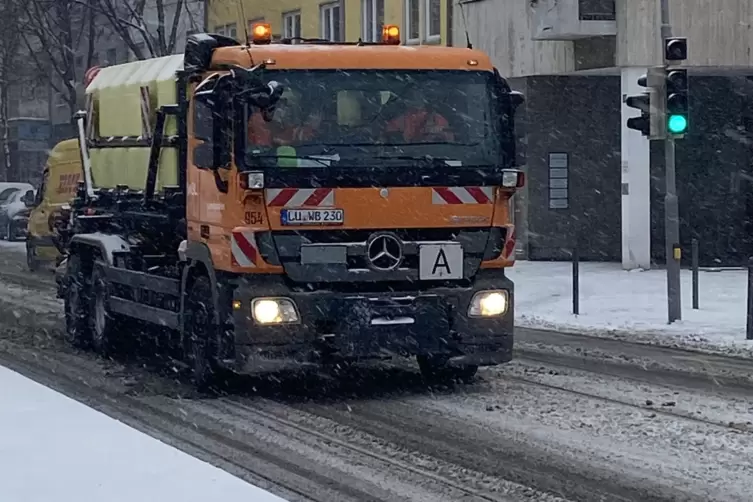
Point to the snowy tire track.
(531, 374)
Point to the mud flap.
(372, 326)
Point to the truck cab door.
(209, 164)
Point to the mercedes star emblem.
(385, 252)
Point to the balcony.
(572, 19)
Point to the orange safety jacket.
(419, 123)
(260, 133)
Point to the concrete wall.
(579, 116)
(718, 31)
(716, 203)
(502, 29)
(718, 35)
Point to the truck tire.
(104, 326)
(76, 303)
(437, 369)
(201, 331)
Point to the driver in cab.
(418, 123)
(281, 125)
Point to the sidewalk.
(55, 448)
(617, 303)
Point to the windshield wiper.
(421, 143)
(422, 159)
(325, 162)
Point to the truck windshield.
(368, 114)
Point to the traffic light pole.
(671, 205)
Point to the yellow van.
(59, 181)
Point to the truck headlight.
(274, 311)
(488, 304)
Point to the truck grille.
(341, 256)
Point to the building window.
(330, 25)
(412, 21)
(227, 30)
(432, 20)
(291, 25)
(372, 12)
(597, 10)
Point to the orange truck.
(267, 205)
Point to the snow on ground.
(633, 304)
(684, 454)
(15, 247)
(59, 449)
(25, 300)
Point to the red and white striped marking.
(245, 252)
(462, 195)
(300, 197)
(508, 252)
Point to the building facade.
(421, 21)
(591, 181)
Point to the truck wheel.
(76, 300)
(200, 335)
(103, 325)
(437, 369)
(31, 257)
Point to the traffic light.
(677, 101)
(676, 85)
(676, 49)
(640, 102)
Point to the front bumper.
(431, 321)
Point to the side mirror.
(28, 199)
(275, 92)
(203, 156)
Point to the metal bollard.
(694, 261)
(576, 280)
(749, 324)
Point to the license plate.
(440, 262)
(312, 216)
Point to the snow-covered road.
(577, 418)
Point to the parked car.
(9, 187)
(12, 206)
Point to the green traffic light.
(677, 124)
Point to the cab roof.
(368, 57)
